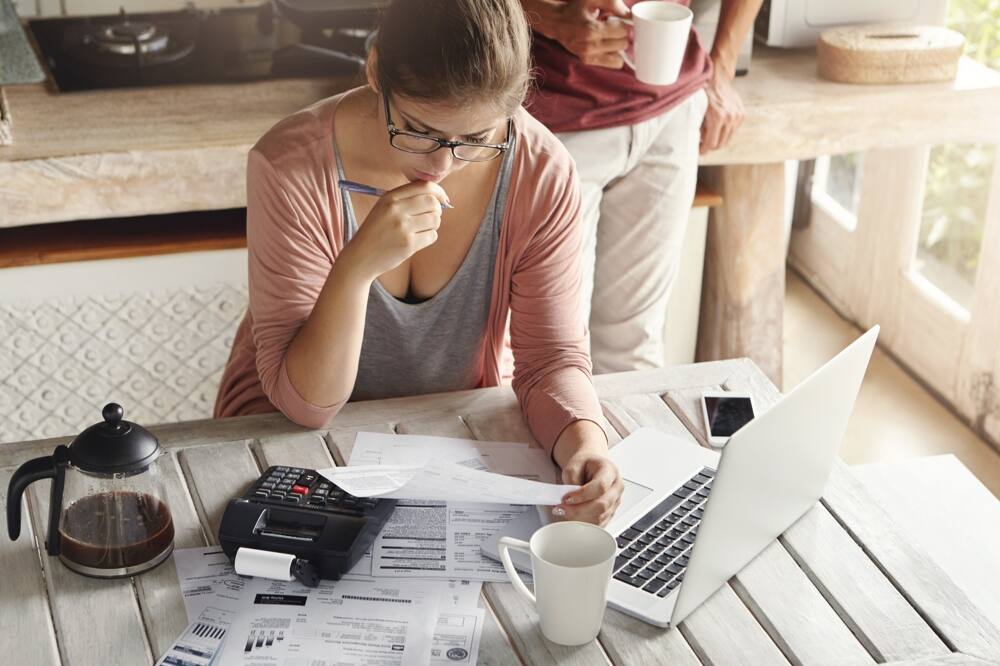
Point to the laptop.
(690, 519)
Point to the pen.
(361, 188)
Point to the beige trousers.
(637, 184)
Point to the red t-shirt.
(572, 96)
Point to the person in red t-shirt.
(636, 149)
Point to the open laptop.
(769, 474)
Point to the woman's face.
(473, 123)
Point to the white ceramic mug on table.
(661, 30)
(571, 564)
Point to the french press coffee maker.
(107, 514)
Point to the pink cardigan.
(294, 234)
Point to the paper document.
(436, 539)
(375, 448)
(201, 641)
(342, 622)
(449, 481)
(208, 583)
(441, 540)
(457, 637)
(207, 579)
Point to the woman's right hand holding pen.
(402, 222)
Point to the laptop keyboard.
(653, 553)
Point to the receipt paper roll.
(263, 563)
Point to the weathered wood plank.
(630, 642)
(625, 414)
(521, 623)
(746, 376)
(619, 384)
(495, 646)
(794, 613)
(216, 474)
(686, 405)
(872, 608)
(24, 606)
(159, 591)
(97, 621)
(306, 450)
(722, 631)
(953, 659)
(941, 491)
(440, 426)
(500, 424)
(961, 625)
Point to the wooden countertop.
(167, 149)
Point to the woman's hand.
(582, 452)
(403, 222)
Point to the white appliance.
(798, 23)
(689, 520)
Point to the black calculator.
(296, 511)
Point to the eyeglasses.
(413, 142)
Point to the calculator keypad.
(305, 488)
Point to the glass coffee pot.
(107, 514)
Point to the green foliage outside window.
(959, 176)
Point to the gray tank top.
(430, 346)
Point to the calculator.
(297, 511)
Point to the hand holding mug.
(661, 32)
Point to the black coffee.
(115, 530)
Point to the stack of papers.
(464, 491)
(236, 620)
(412, 600)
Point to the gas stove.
(278, 39)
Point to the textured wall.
(158, 353)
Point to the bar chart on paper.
(208, 631)
(263, 638)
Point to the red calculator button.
(301, 490)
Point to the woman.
(354, 296)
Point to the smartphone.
(724, 413)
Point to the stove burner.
(126, 37)
(121, 43)
(191, 45)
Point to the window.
(959, 176)
(837, 187)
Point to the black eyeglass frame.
(443, 143)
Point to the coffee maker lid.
(114, 446)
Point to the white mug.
(571, 563)
(661, 31)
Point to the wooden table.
(128, 152)
(941, 491)
(840, 586)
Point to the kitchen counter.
(167, 149)
(133, 152)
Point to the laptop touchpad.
(633, 494)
